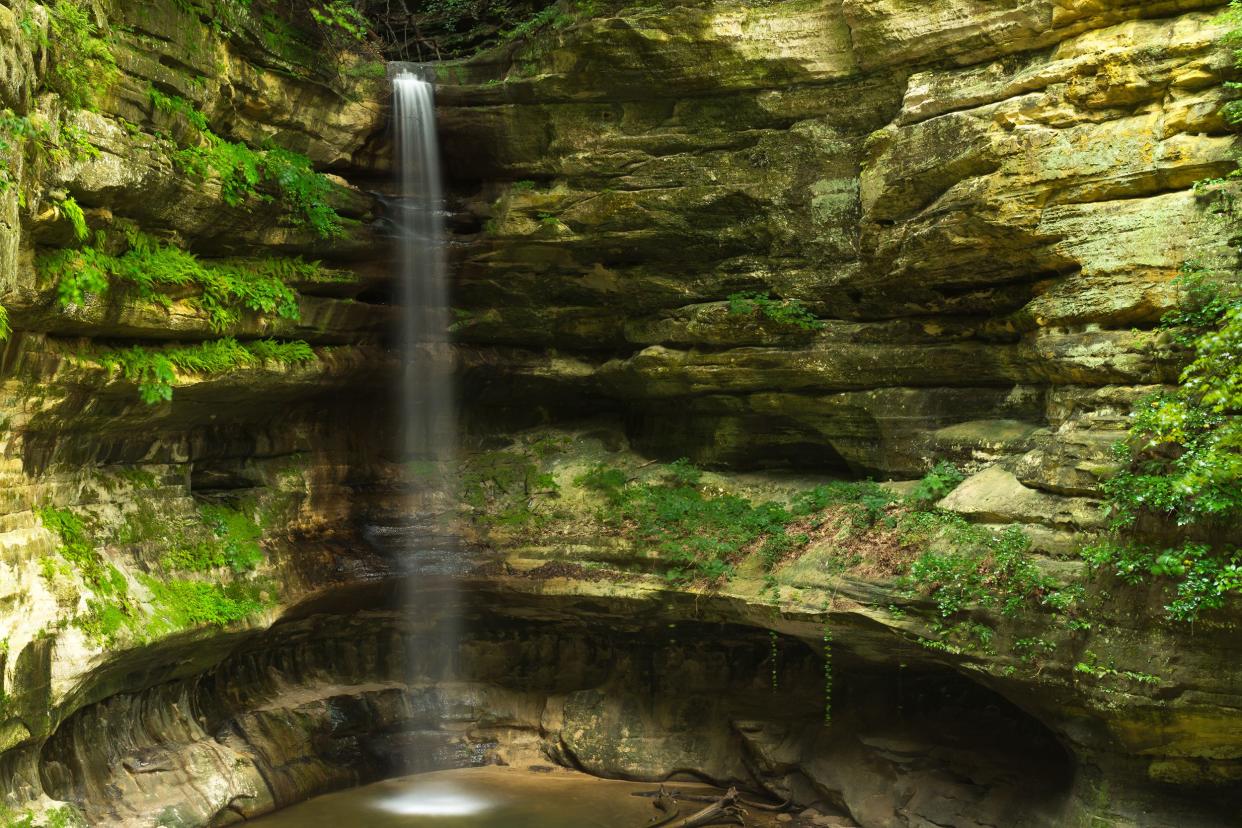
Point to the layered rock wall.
(984, 206)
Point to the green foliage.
(151, 267)
(241, 170)
(1232, 17)
(111, 608)
(606, 481)
(175, 105)
(155, 370)
(1181, 474)
(702, 532)
(556, 16)
(1204, 576)
(942, 479)
(70, 207)
(500, 485)
(14, 130)
(1093, 665)
(77, 547)
(63, 816)
(35, 138)
(340, 16)
(182, 603)
(233, 542)
(868, 502)
(789, 313)
(963, 565)
(82, 62)
(699, 533)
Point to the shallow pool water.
(476, 798)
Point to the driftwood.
(722, 811)
(774, 807)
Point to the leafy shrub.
(340, 16)
(233, 542)
(1182, 465)
(77, 547)
(73, 211)
(182, 603)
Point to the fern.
(73, 212)
(241, 170)
(150, 267)
(155, 371)
(82, 60)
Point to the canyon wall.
(980, 209)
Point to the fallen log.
(723, 811)
(777, 807)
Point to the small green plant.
(789, 313)
(942, 479)
(69, 206)
(967, 565)
(1093, 665)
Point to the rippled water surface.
(476, 798)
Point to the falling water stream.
(429, 431)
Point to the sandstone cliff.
(976, 211)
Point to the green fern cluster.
(789, 313)
(155, 370)
(242, 170)
(151, 268)
(82, 60)
(183, 603)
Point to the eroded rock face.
(327, 702)
(984, 205)
(977, 200)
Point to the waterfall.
(428, 425)
(429, 428)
